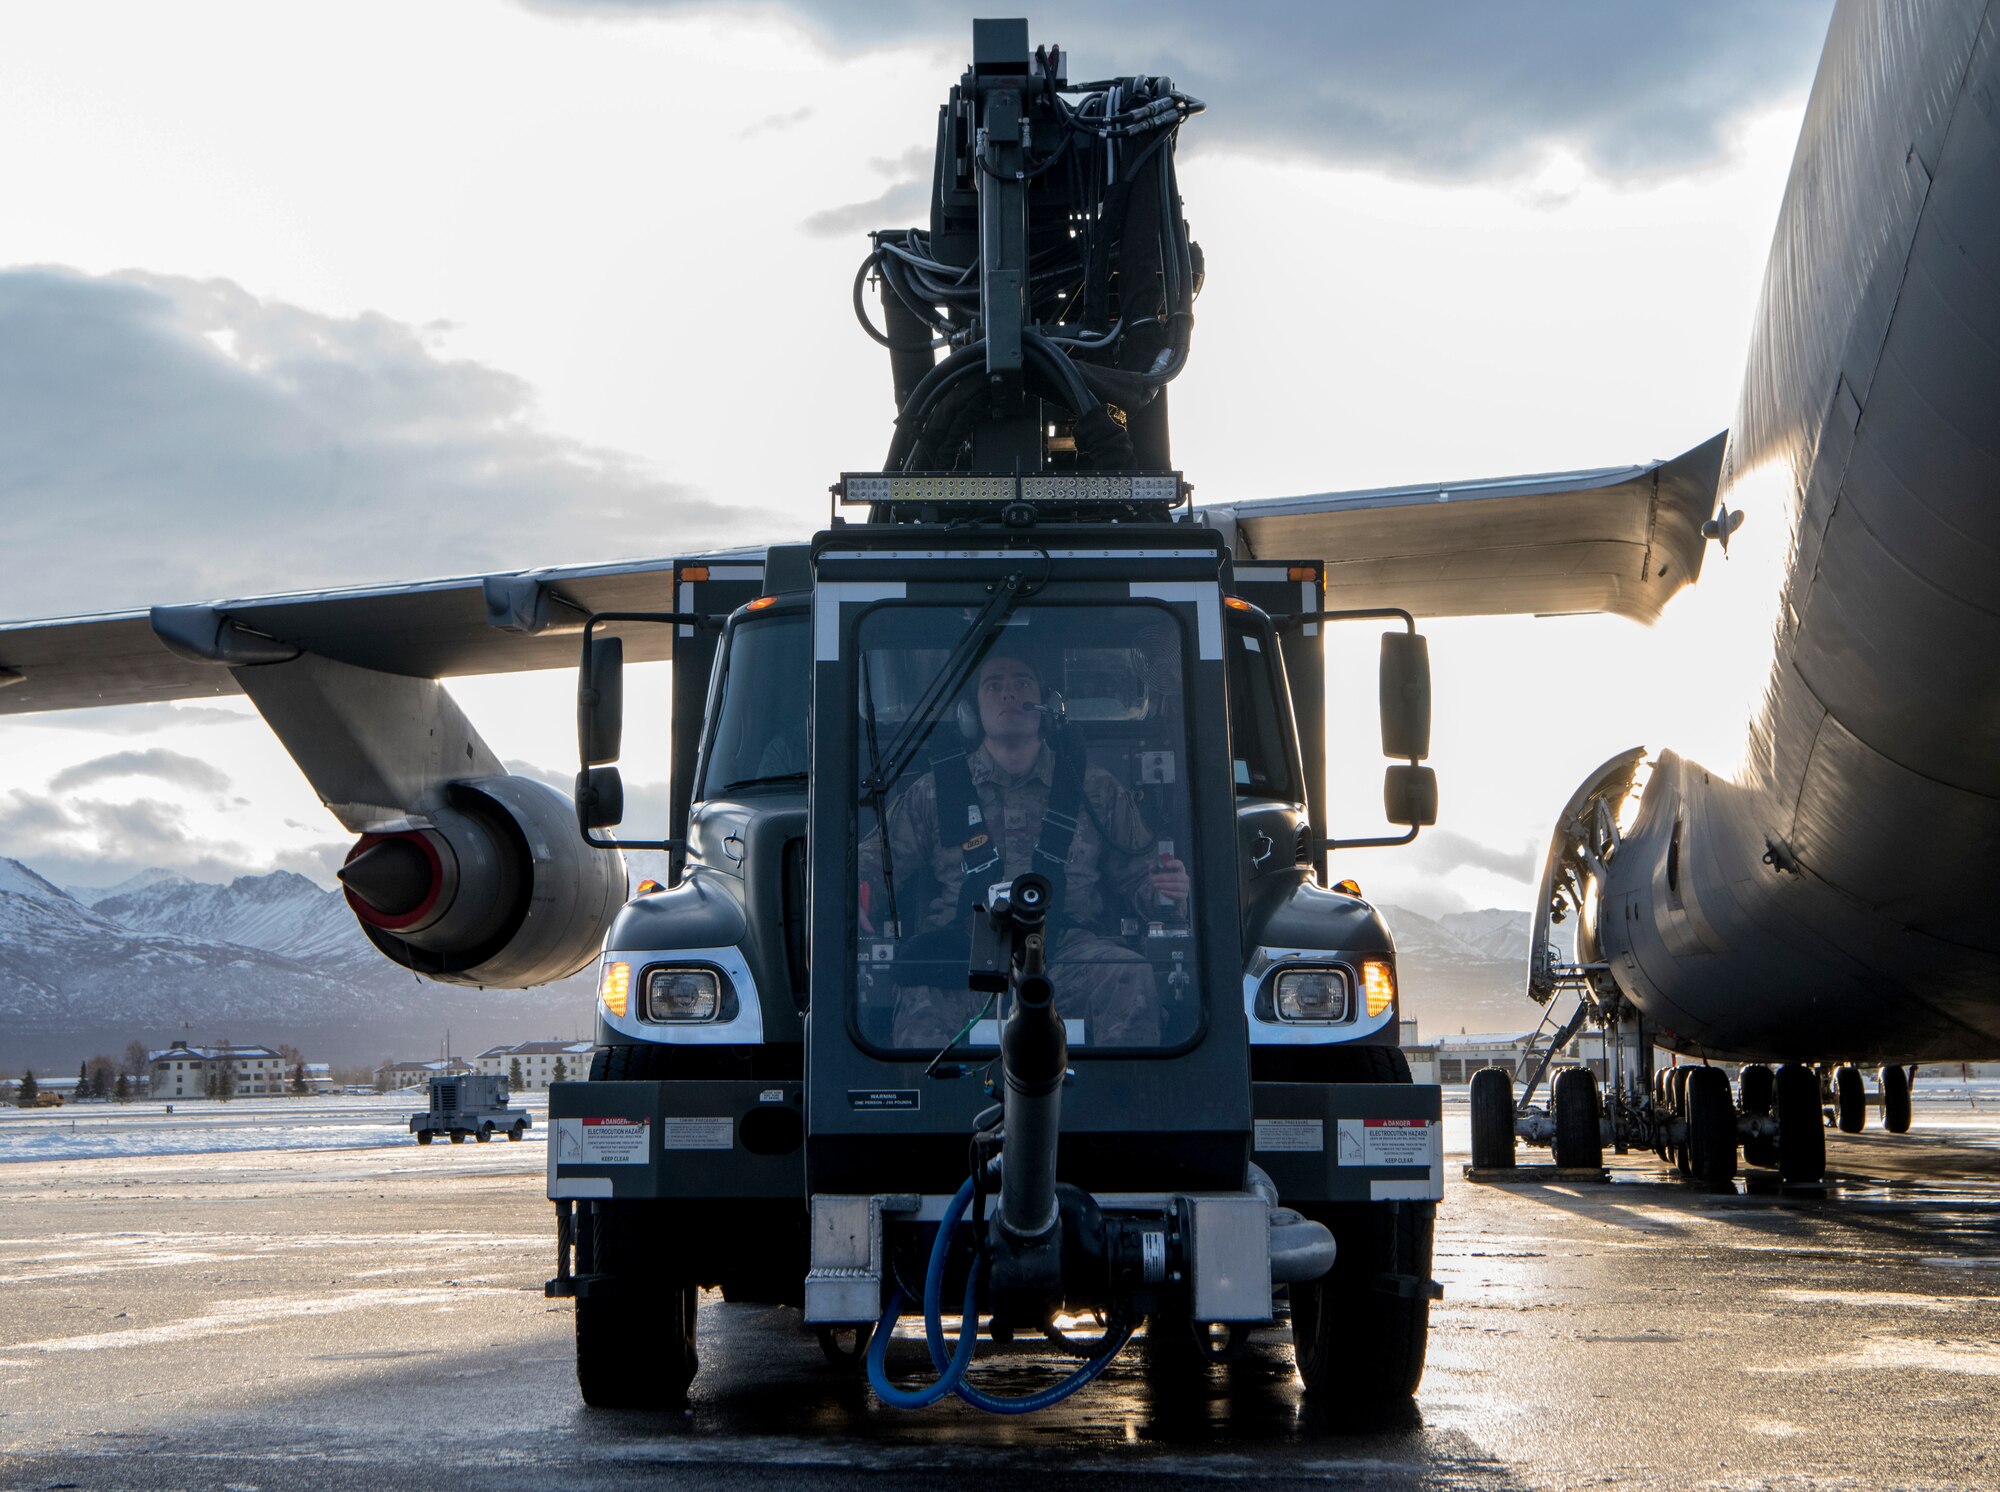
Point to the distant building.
(538, 1062)
(410, 1074)
(1454, 1059)
(183, 1071)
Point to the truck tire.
(1711, 1126)
(424, 1137)
(485, 1133)
(1801, 1125)
(1850, 1099)
(517, 1129)
(630, 1064)
(1896, 1100)
(1579, 1140)
(458, 1137)
(634, 1329)
(1492, 1098)
(1358, 1333)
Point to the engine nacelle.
(495, 888)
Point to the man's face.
(1010, 700)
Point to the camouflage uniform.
(1098, 979)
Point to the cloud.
(1447, 90)
(136, 720)
(166, 766)
(198, 441)
(1439, 852)
(775, 123)
(898, 207)
(90, 842)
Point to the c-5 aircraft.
(1827, 907)
(1832, 902)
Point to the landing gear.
(1711, 1127)
(1850, 1100)
(1578, 1140)
(1492, 1119)
(634, 1329)
(1801, 1125)
(1896, 1100)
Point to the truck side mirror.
(1410, 796)
(1405, 683)
(600, 702)
(600, 797)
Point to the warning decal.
(698, 1134)
(1385, 1142)
(603, 1142)
(1291, 1134)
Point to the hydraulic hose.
(951, 1367)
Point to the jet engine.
(493, 888)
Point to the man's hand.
(1169, 879)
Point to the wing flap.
(1616, 539)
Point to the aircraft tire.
(1677, 1105)
(1756, 1086)
(1492, 1103)
(1711, 1127)
(635, 1332)
(1573, 1105)
(1801, 1125)
(1662, 1112)
(1850, 1099)
(1896, 1100)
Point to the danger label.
(603, 1142)
(1291, 1134)
(1385, 1142)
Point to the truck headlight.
(1312, 995)
(683, 994)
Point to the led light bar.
(1163, 488)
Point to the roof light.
(760, 603)
(614, 988)
(1348, 887)
(1378, 982)
(1236, 603)
(648, 886)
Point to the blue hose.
(951, 1369)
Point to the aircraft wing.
(1620, 539)
(424, 629)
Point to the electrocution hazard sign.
(1385, 1142)
(604, 1142)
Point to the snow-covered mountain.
(265, 958)
(282, 913)
(90, 896)
(1464, 970)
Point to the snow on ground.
(206, 1126)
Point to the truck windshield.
(1065, 752)
(760, 721)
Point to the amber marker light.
(1302, 572)
(1348, 888)
(1236, 603)
(648, 886)
(615, 988)
(760, 603)
(1378, 983)
(694, 572)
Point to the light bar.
(945, 487)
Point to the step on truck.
(994, 979)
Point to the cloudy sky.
(323, 293)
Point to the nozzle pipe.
(1034, 1059)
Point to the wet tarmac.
(371, 1319)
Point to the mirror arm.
(1361, 614)
(663, 618)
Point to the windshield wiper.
(949, 679)
(774, 778)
